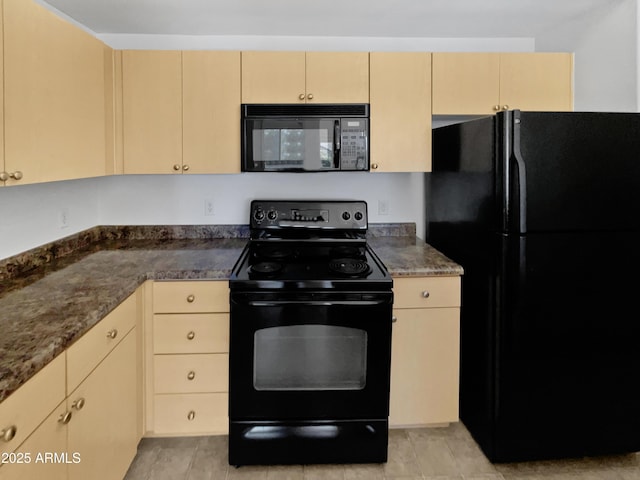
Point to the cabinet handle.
(310, 96)
(177, 167)
(65, 418)
(505, 107)
(425, 294)
(301, 96)
(9, 433)
(374, 166)
(191, 335)
(78, 404)
(191, 375)
(394, 319)
(191, 298)
(496, 108)
(17, 175)
(4, 176)
(112, 333)
(185, 168)
(191, 415)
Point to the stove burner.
(265, 268)
(343, 251)
(274, 252)
(351, 267)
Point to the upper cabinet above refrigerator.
(485, 83)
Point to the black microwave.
(305, 138)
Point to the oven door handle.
(314, 303)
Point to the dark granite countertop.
(50, 296)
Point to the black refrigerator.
(542, 209)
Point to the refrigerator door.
(569, 171)
(566, 355)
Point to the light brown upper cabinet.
(55, 78)
(400, 115)
(484, 83)
(305, 77)
(181, 111)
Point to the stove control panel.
(326, 214)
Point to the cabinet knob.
(65, 418)
(374, 166)
(496, 108)
(78, 404)
(4, 176)
(425, 294)
(310, 96)
(191, 335)
(394, 319)
(185, 168)
(112, 333)
(177, 167)
(191, 375)
(191, 298)
(505, 107)
(17, 175)
(191, 415)
(8, 433)
(301, 96)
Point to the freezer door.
(570, 171)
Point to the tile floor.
(447, 453)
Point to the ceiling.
(331, 18)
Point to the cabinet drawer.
(194, 413)
(84, 355)
(29, 405)
(191, 333)
(191, 373)
(426, 292)
(190, 297)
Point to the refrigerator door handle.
(519, 178)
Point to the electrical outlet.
(63, 218)
(208, 207)
(383, 207)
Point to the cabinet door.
(400, 89)
(337, 77)
(273, 77)
(211, 111)
(54, 96)
(152, 111)
(466, 83)
(425, 366)
(536, 81)
(104, 429)
(49, 439)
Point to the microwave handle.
(336, 144)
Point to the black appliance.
(305, 138)
(310, 338)
(542, 209)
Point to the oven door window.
(310, 357)
(307, 144)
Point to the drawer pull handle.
(425, 294)
(191, 375)
(191, 415)
(112, 333)
(65, 418)
(191, 298)
(78, 404)
(191, 335)
(9, 433)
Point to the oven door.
(309, 356)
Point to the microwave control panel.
(354, 146)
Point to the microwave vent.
(306, 110)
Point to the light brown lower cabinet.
(425, 351)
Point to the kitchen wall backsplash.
(33, 215)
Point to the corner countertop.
(51, 296)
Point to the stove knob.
(259, 215)
(358, 216)
(272, 215)
(346, 215)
